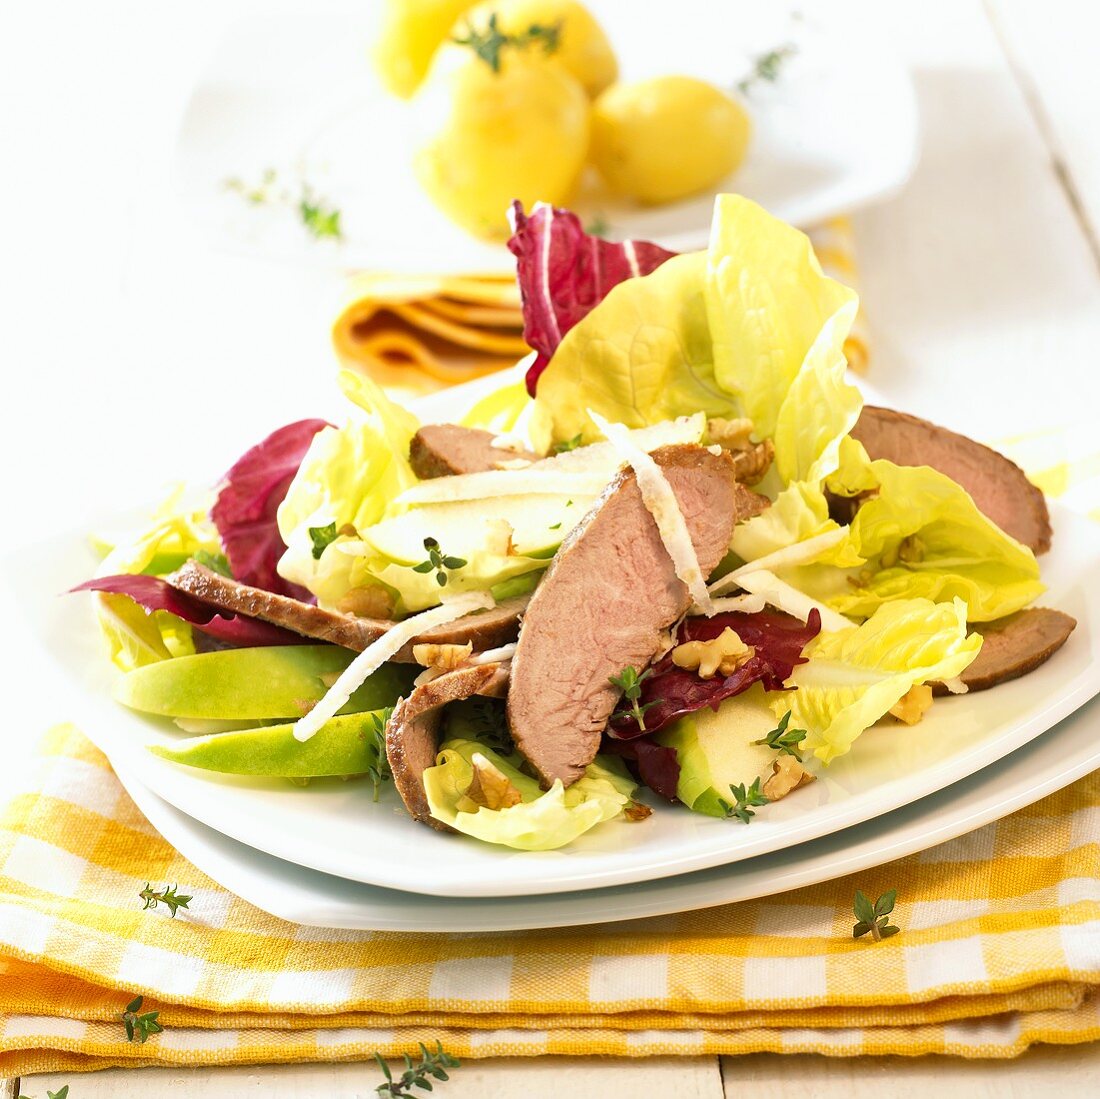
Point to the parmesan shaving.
(794, 602)
(385, 648)
(797, 554)
(956, 686)
(494, 656)
(661, 503)
(746, 604)
(532, 480)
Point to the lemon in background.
(663, 139)
(507, 121)
(412, 30)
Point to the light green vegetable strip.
(543, 820)
(854, 676)
(278, 682)
(767, 301)
(348, 745)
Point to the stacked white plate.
(328, 854)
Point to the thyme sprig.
(783, 740)
(744, 801)
(630, 683)
(438, 562)
(874, 919)
(139, 1026)
(433, 1063)
(166, 896)
(380, 772)
(320, 218)
(767, 66)
(487, 44)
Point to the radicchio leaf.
(657, 764)
(249, 497)
(155, 594)
(564, 273)
(777, 638)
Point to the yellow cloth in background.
(999, 949)
(421, 333)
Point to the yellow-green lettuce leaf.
(853, 677)
(543, 820)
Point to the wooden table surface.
(981, 283)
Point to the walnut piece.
(730, 434)
(911, 707)
(635, 811)
(749, 466)
(490, 788)
(367, 602)
(725, 653)
(445, 658)
(787, 775)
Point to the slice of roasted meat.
(439, 450)
(997, 485)
(1015, 645)
(412, 733)
(603, 602)
(485, 630)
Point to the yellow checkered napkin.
(1000, 948)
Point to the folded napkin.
(424, 332)
(999, 949)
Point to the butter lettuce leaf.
(641, 356)
(767, 302)
(543, 820)
(924, 537)
(854, 676)
(349, 476)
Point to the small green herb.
(489, 725)
(215, 562)
(784, 740)
(744, 801)
(488, 43)
(321, 220)
(139, 1026)
(556, 526)
(598, 227)
(568, 444)
(380, 772)
(322, 538)
(166, 896)
(630, 683)
(766, 66)
(874, 919)
(256, 193)
(61, 1093)
(433, 1063)
(438, 562)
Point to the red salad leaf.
(155, 594)
(777, 638)
(564, 273)
(248, 500)
(656, 764)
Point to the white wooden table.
(982, 282)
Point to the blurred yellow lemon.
(412, 30)
(509, 122)
(664, 139)
(583, 47)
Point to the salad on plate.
(672, 557)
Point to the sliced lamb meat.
(412, 733)
(1014, 646)
(439, 450)
(486, 630)
(601, 606)
(998, 486)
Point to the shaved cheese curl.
(661, 503)
(385, 648)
